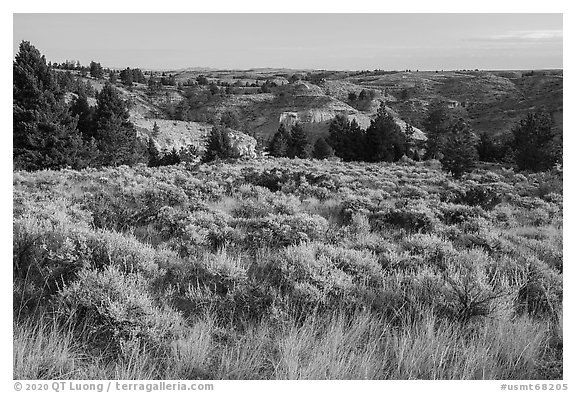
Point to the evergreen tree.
(219, 145)
(109, 104)
(126, 77)
(536, 146)
(153, 154)
(155, 130)
(299, 145)
(459, 153)
(347, 139)
(489, 150)
(322, 149)
(86, 122)
(113, 77)
(96, 70)
(338, 138)
(188, 153)
(230, 119)
(357, 142)
(44, 133)
(171, 158)
(115, 134)
(118, 143)
(436, 125)
(280, 142)
(385, 140)
(138, 76)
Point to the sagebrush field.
(281, 269)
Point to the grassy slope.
(287, 269)
(495, 100)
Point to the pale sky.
(304, 41)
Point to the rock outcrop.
(243, 145)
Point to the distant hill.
(494, 101)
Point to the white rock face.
(313, 116)
(289, 119)
(243, 145)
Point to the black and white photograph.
(287, 196)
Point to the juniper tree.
(86, 116)
(115, 134)
(459, 153)
(322, 149)
(299, 145)
(96, 70)
(385, 140)
(536, 146)
(279, 144)
(435, 126)
(347, 139)
(219, 145)
(155, 130)
(153, 154)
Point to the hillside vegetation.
(492, 101)
(282, 269)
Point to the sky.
(298, 41)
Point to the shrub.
(413, 218)
(314, 274)
(115, 311)
(435, 251)
(47, 256)
(481, 195)
(278, 230)
(541, 292)
(455, 214)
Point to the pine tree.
(459, 153)
(109, 104)
(44, 133)
(155, 130)
(436, 125)
(126, 77)
(116, 136)
(322, 149)
(338, 138)
(96, 70)
(347, 139)
(85, 114)
(488, 149)
(153, 154)
(280, 142)
(219, 145)
(299, 145)
(536, 146)
(385, 140)
(171, 158)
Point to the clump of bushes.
(411, 217)
(116, 311)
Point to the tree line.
(383, 140)
(52, 134)
(531, 145)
